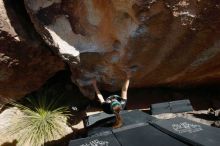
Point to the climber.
(114, 103)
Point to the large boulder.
(160, 42)
(26, 63)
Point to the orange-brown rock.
(161, 42)
(25, 61)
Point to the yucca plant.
(42, 120)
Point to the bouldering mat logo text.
(186, 127)
(96, 142)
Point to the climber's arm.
(99, 95)
(124, 89)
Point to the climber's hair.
(117, 110)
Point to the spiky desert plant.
(41, 121)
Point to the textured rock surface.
(25, 62)
(162, 42)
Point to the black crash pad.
(144, 135)
(100, 130)
(189, 131)
(136, 116)
(129, 118)
(132, 135)
(178, 106)
(104, 140)
(159, 108)
(93, 119)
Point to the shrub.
(42, 120)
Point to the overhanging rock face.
(25, 61)
(161, 42)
